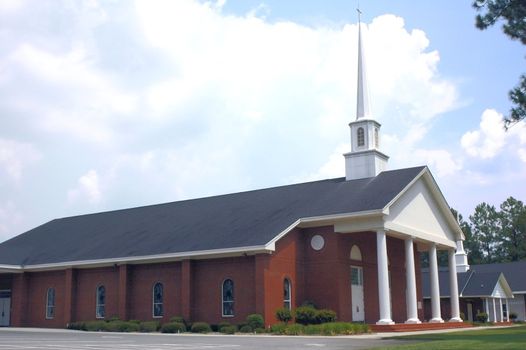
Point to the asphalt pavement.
(37, 338)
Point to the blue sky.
(114, 104)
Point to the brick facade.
(192, 288)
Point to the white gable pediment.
(422, 212)
(502, 289)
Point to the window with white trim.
(227, 292)
(287, 294)
(361, 137)
(100, 307)
(157, 299)
(50, 303)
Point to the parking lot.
(75, 340)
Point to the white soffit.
(419, 213)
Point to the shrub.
(95, 326)
(122, 326)
(225, 327)
(255, 321)
(325, 315)
(462, 316)
(135, 321)
(260, 330)
(336, 328)
(222, 324)
(228, 329)
(305, 315)
(284, 315)
(481, 317)
(295, 329)
(513, 316)
(246, 329)
(80, 326)
(200, 327)
(114, 326)
(149, 326)
(278, 328)
(173, 327)
(178, 319)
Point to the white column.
(494, 311)
(384, 299)
(501, 311)
(507, 311)
(435, 288)
(411, 301)
(453, 288)
(487, 307)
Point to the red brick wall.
(142, 278)
(87, 282)
(38, 284)
(396, 254)
(208, 277)
(285, 262)
(195, 291)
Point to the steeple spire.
(362, 101)
(365, 159)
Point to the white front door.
(5, 307)
(358, 312)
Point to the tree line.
(492, 235)
(495, 234)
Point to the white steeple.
(363, 110)
(365, 159)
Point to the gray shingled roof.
(228, 221)
(515, 273)
(480, 280)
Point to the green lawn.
(491, 339)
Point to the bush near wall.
(173, 327)
(113, 325)
(284, 315)
(201, 327)
(481, 317)
(332, 328)
(309, 315)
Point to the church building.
(349, 244)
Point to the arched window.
(361, 137)
(287, 294)
(50, 303)
(157, 300)
(356, 253)
(100, 308)
(376, 138)
(228, 298)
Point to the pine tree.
(485, 228)
(513, 13)
(513, 223)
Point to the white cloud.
(442, 161)
(15, 157)
(491, 138)
(10, 6)
(88, 189)
(10, 218)
(86, 103)
(184, 100)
